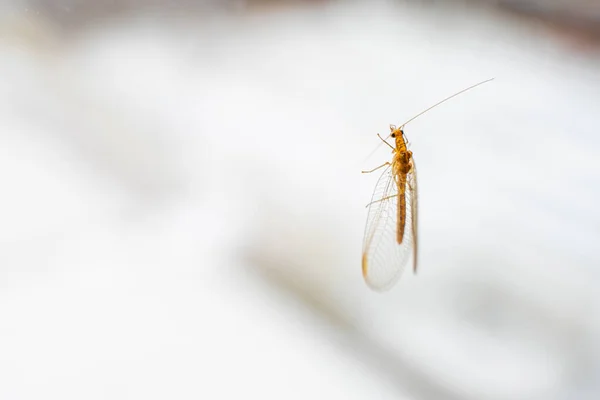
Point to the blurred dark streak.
(583, 29)
(74, 14)
(578, 21)
(77, 14)
(389, 363)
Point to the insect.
(391, 231)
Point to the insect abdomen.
(401, 217)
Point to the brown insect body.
(391, 229)
(402, 165)
(394, 207)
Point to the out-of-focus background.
(182, 207)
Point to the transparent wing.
(414, 208)
(383, 258)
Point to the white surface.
(183, 208)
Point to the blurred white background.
(182, 204)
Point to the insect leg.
(383, 140)
(376, 168)
(385, 198)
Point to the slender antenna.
(433, 106)
(445, 100)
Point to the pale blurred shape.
(156, 164)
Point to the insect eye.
(393, 135)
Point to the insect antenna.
(445, 100)
(432, 107)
